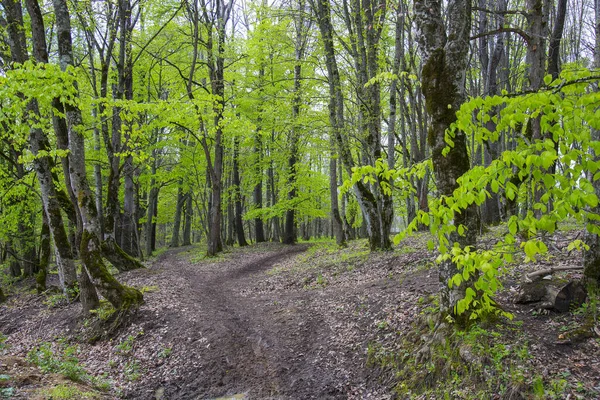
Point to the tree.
(591, 257)
(38, 141)
(121, 297)
(375, 201)
(444, 52)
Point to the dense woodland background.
(128, 126)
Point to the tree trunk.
(89, 295)
(336, 220)
(375, 204)
(239, 225)
(39, 143)
(45, 254)
(129, 225)
(289, 236)
(444, 57)
(121, 297)
(177, 217)
(150, 228)
(187, 224)
(259, 230)
(591, 257)
(490, 57)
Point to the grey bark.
(490, 55)
(151, 211)
(259, 230)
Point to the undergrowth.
(61, 358)
(490, 360)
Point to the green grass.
(66, 392)
(61, 359)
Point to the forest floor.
(269, 321)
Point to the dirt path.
(237, 341)
(230, 336)
(230, 326)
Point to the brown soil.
(267, 322)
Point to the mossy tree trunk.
(591, 257)
(444, 52)
(119, 296)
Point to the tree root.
(104, 329)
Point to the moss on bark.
(117, 257)
(120, 296)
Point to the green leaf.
(512, 225)
(531, 249)
(495, 186)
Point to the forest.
(345, 199)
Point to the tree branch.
(518, 31)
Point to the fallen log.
(552, 295)
(550, 271)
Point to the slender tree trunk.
(336, 219)
(177, 217)
(375, 205)
(272, 200)
(150, 228)
(490, 57)
(45, 254)
(239, 225)
(129, 219)
(187, 224)
(259, 230)
(289, 234)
